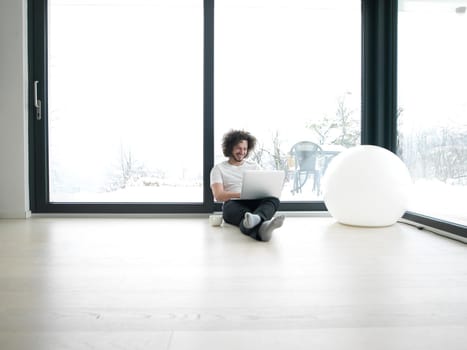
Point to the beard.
(239, 157)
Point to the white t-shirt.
(231, 175)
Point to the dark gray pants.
(233, 212)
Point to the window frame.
(378, 118)
(38, 134)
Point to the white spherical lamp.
(366, 186)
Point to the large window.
(132, 90)
(125, 98)
(289, 71)
(136, 96)
(432, 96)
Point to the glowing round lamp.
(366, 186)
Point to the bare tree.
(349, 127)
(342, 129)
(129, 170)
(436, 153)
(271, 157)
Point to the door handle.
(37, 102)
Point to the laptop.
(262, 183)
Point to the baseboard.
(154, 215)
(15, 215)
(433, 230)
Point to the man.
(255, 218)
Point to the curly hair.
(233, 137)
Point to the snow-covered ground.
(430, 198)
(440, 200)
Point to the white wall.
(14, 195)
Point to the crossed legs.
(259, 222)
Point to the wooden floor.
(176, 284)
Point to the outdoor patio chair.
(305, 155)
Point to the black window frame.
(38, 135)
(378, 118)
